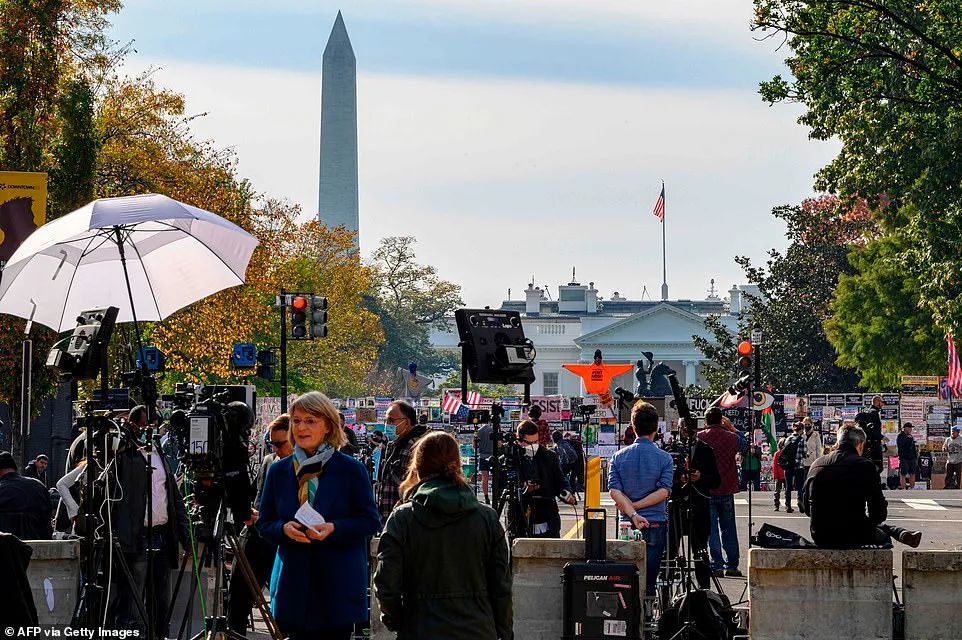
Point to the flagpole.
(664, 252)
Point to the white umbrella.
(148, 255)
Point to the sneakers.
(910, 538)
(789, 510)
(734, 573)
(777, 507)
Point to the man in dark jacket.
(542, 484)
(688, 507)
(25, 509)
(394, 465)
(443, 568)
(844, 500)
(870, 421)
(138, 532)
(37, 469)
(908, 457)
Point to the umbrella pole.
(150, 400)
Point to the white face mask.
(531, 448)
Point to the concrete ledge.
(53, 574)
(537, 564)
(54, 549)
(931, 583)
(813, 594)
(814, 559)
(571, 550)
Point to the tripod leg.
(189, 611)
(240, 559)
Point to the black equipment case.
(601, 601)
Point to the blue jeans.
(655, 538)
(722, 532)
(794, 481)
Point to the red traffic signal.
(745, 353)
(299, 317)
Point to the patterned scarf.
(307, 468)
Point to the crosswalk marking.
(923, 504)
(741, 500)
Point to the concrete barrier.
(814, 594)
(536, 592)
(54, 572)
(931, 583)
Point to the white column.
(691, 371)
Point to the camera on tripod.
(212, 433)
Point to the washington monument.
(337, 189)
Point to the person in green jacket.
(443, 569)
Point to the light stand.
(149, 390)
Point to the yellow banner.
(23, 208)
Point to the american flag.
(452, 402)
(660, 205)
(474, 399)
(955, 372)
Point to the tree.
(47, 52)
(878, 324)
(410, 299)
(885, 78)
(794, 288)
(796, 356)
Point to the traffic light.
(318, 317)
(299, 309)
(265, 367)
(746, 356)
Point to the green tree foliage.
(877, 324)
(885, 78)
(410, 299)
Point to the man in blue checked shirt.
(639, 479)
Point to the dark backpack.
(566, 454)
(787, 459)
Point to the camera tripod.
(507, 499)
(213, 552)
(97, 550)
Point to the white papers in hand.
(308, 517)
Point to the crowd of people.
(442, 555)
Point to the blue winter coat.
(321, 584)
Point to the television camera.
(212, 434)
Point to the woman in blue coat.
(319, 588)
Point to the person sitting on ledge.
(844, 500)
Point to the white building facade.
(570, 328)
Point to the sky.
(515, 139)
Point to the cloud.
(503, 179)
(688, 43)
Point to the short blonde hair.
(319, 405)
